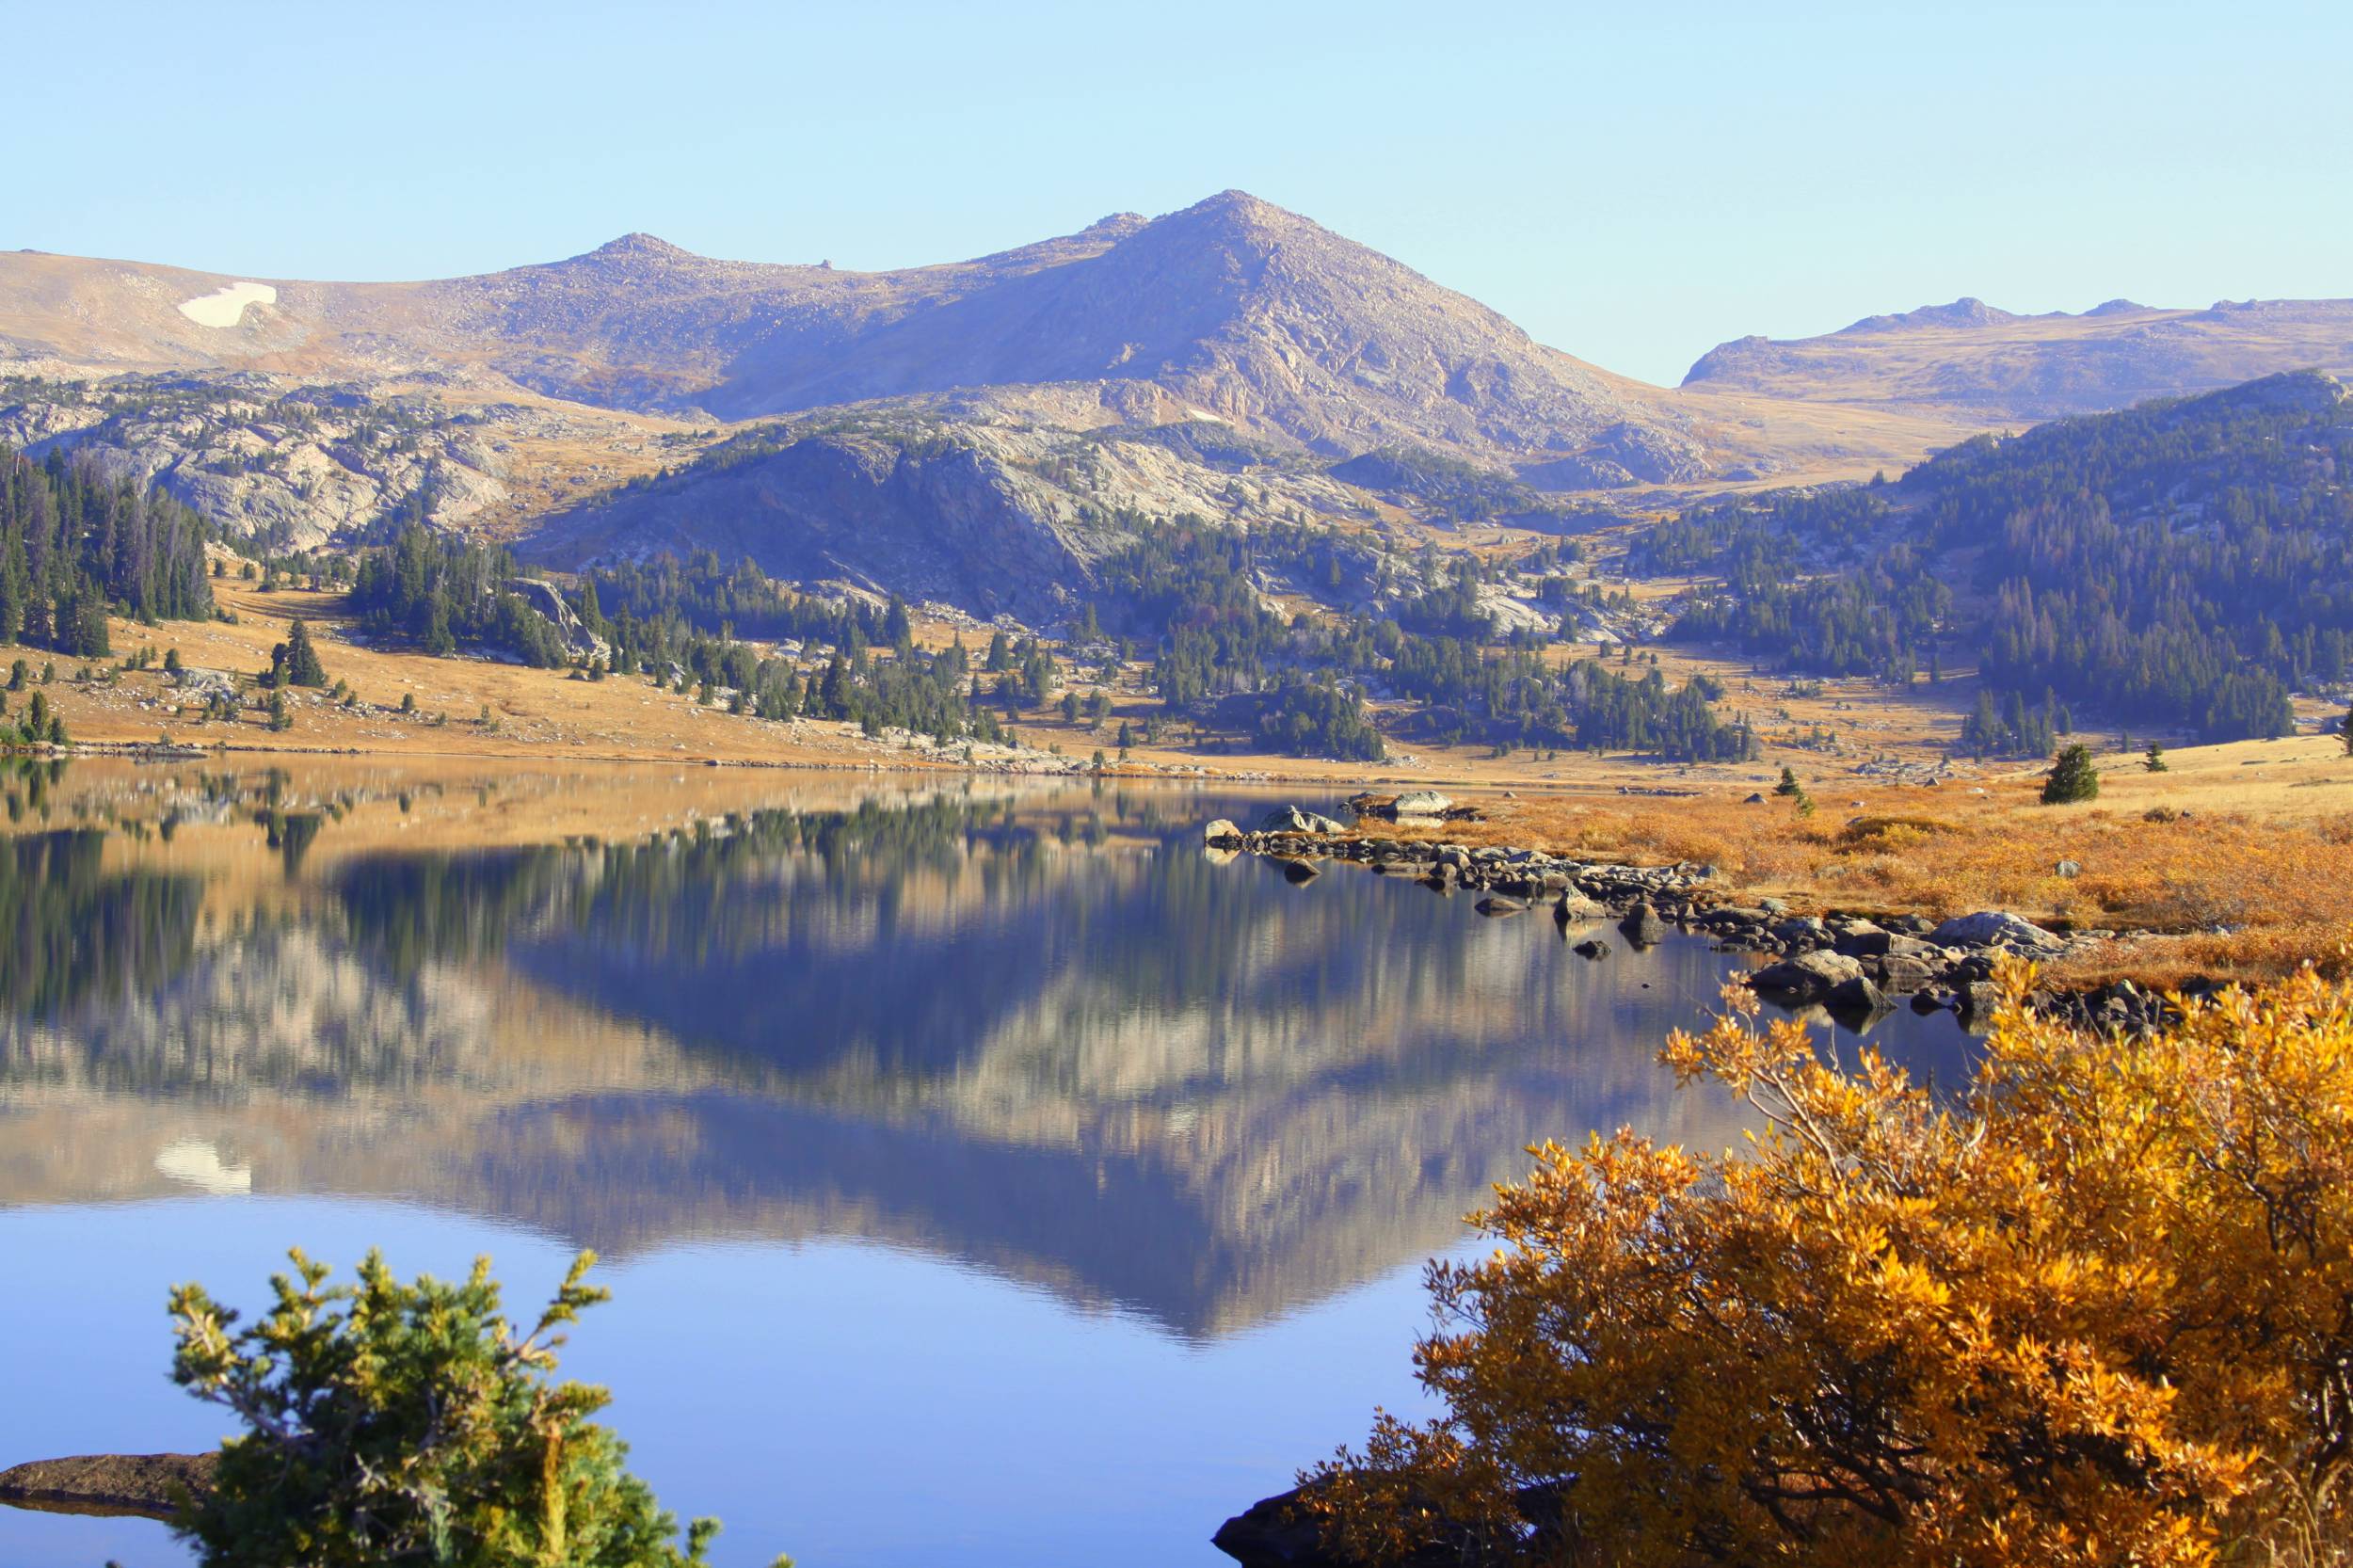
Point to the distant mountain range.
(1231, 309)
(982, 430)
(1973, 361)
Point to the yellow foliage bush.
(2095, 1310)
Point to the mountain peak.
(640, 247)
(1237, 209)
(1968, 310)
(2306, 391)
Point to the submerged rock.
(1642, 926)
(1496, 904)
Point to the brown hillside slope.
(1974, 363)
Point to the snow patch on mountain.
(225, 306)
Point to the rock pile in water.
(1845, 962)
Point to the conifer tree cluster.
(75, 545)
(295, 661)
(2187, 563)
(1193, 591)
(442, 591)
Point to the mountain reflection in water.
(1038, 1030)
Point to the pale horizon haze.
(1632, 188)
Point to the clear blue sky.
(1631, 183)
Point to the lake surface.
(984, 1172)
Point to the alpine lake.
(985, 1171)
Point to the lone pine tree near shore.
(406, 1423)
(295, 661)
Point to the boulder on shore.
(1994, 928)
(1290, 819)
(1274, 1532)
(1808, 977)
(1858, 995)
(1279, 1532)
(148, 1485)
(1980, 1000)
(1420, 803)
(1575, 906)
(1903, 972)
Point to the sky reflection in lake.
(986, 1174)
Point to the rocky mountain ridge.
(1232, 308)
(980, 432)
(288, 464)
(1979, 364)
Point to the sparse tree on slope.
(295, 661)
(2073, 777)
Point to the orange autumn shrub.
(2095, 1310)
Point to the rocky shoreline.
(1852, 964)
(1855, 965)
(149, 1486)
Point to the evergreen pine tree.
(2073, 777)
(302, 667)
